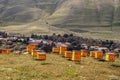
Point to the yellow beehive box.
(41, 56)
(34, 53)
(84, 53)
(76, 56)
(55, 50)
(92, 53)
(110, 57)
(68, 54)
(5, 51)
(98, 54)
(63, 49)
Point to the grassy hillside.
(21, 11)
(87, 12)
(62, 12)
(24, 67)
(89, 18)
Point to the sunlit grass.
(25, 67)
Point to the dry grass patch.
(25, 67)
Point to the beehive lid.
(63, 46)
(68, 51)
(83, 50)
(55, 47)
(98, 51)
(38, 50)
(42, 53)
(33, 44)
(4, 49)
(92, 51)
(110, 53)
(76, 50)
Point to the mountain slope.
(61, 12)
(87, 12)
(25, 10)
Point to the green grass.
(25, 67)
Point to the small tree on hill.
(65, 35)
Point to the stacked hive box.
(34, 53)
(98, 54)
(84, 53)
(55, 50)
(110, 57)
(92, 53)
(76, 56)
(41, 56)
(31, 47)
(62, 50)
(68, 54)
(5, 51)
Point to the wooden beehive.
(84, 53)
(76, 56)
(92, 53)
(98, 54)
(68, 54)
(41, 56)
(34, 53)
(5, 51)
(62, 50)
(110, 57)
(55, 50)
(0, 51)
(31, 47)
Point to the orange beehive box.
(63, 49)
(0, 51)
(34, 53)
(55, 50)
(31, 47)
(5, 51)
(68, 54)
(76, 56)
(84, 53)
(110, 57)
(98, 54)
(41, 56)
(92, 53)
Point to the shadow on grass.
(77, 62)
(38, 60)
(115, 65)
(45, 63)
(68, 59)
(101, 60)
